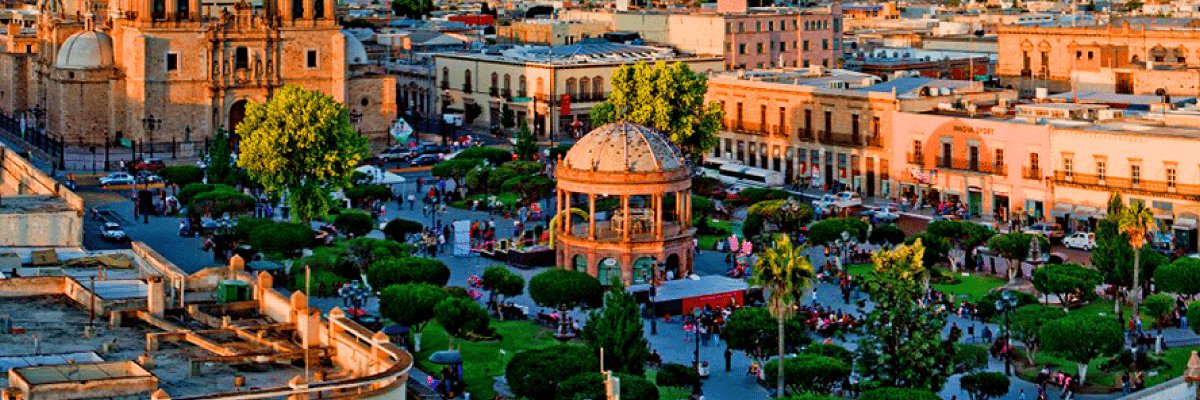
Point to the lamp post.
(696, 331)
(151, 123)
(845, 246)
(1005, 305)
(661, 265)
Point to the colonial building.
(829, 129)
(551, 88)
(92, 77)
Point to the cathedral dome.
(86, 50)
(624, 147)
(356, 54)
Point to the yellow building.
(549, 32)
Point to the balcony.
(1031, 173)
(805, 134)
(915, 159)
(493, 92)
(968, 165)
(752, 128)
(1140, 187)
(874, 141)
(842, 139)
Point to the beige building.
(549, 31)
(551, 88)
(94, 77)
(36, 210)
(829, 129)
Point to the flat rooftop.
(32, 204)
(80, 372)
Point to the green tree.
(985, 385)
(497, 177)
(366, 251)
(220, 200)
(617, 329)
(937, 250)
(1181, 277)
(895, 393)
(1070, 282)
(1026, 323)
(783, 271)
(455, 169)
(753, 330)
(565, 290)
(182, 175)
(811, 373)
(411, 305)
(1136, 221)
(669, 98)
(282, 237)
(969, 358)
(364, 192)
(508, 119)
(220, 158)
(537, 374)
(498, 280)
(962, 236)
(461, 317)
(526, 146)
(399, 229)
(901, 342)
(1112, 256)
(828, 230)
(589, 385)
(830, 350)
(1159, 306)
(677, 375)
(531, 187)
(1193, 314)
(414, 9)
(301, 142)
(492, 155)
(355, 223)
(476, 179)
(406, 270)
(886, 233)
(1015, 247)
(1082, 338)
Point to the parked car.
(426, 159)
(376, 161)
(396, 153)
(1052, 232)
(150, 164)
(113, 232)
(117, 178)
(825, 202)
(888, 213)
(1080, 240)
(847, 199)
(146, 177)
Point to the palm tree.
(784, 272)
(1135, 221)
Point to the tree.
(363, 192)
(936, 251)
(411, 305)
(969, 358)
(406, 270)
(1159, 306)
(985, 308)
(414, 9)
(531, 187)
(565, 290)
(497, 177)
(536, 374)
(456, 169)
(526, 146)
(182, 175)
(498, 280)
(1112, 256)
(590, 385)
(829, 230)
(282, 237)
(1193, 314)
(783, 271)
(1082, 338)
(894, 393)
(492, 155)
(366, 251)
(301, 142)
(617, 329)
(985, 385)
(1181, 276)
(355, 223)
(399, 229)
(901, 342)
(1070, 282)
(558, 151)
(638, 96)
(962, 236)
(1015, 247)
(886, 233)
(461, 317)
(677, 375)
(220, 200)
(811, 373)
(830, 350)
(470, 112)
(1026, 323)
(220, 158)
(1136, 221)
(508, 118)
(753, 330)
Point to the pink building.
(768, 40)
(997, 167)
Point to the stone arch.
(237, 112)
(508, 84)
(579, 263)
(522, 86)
(1180, 54)
(673, 264)
(607, 269)
(495, 82)
(598, 86)
(571, 87)
(1044, 46)
(584, 87)
(643, 270)
(1026, 45)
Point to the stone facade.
(549, 32)
(97, 77)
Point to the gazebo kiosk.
(630, 191)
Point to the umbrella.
(391, 330)
(747, 247)
(447, 357)
(355, 312)
(733, 242)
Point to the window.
(947, 154)
(739, 115)
(1033, 161)
(875, 125)
(854, 125)
(805, 48)
(445, 77)
(241, 58)
(495, 83)
(805, 63)
(571, 87)
(795, 25)
(999, 158)
(824, 44)
(828, 122)
(522, 87)
(782, 46)
(1068, 167)
(772, 45)
(760, 48)
(172, 62)
(1171, 175)
(742, 48)
(1101, 170)
(1090, 55)
(808, 120)
(770, 26)
(759, 66)
(762, 117)
(584, 87)
(825, 62)
(598, 86)
(507, 85)
(728, 27)
(758, 26)
(741, 27)
(916, 149)
(782, 119)
(1078, 54)
(973, 158)
(1135, 174)
(311, 61)
(467, 81)
(541, 86)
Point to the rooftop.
(841, 79)
(586, 51)
(28, 204)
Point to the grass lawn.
(506, 198)
(708, 242)
(482, 361)
(1099, 381)
(1104, 307)
(975, 286)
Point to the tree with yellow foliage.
(300, 142)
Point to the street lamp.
(660, 266)
(696, 330)
(1005, 305)
(151, 123)
(845, 246)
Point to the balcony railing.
(874, 141)
(1129, 186)
(805, 134)
(972, 166)
(842, 139)
(1028, 172)
(493, 92)
(753, 128)
(915, 158)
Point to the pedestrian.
(1125, 384)
(1021, 396)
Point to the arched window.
(608, 270)
(598, 87)
(445, 78)
(522, 87)
(495, 89)
(585, 87)
(467, 81)
(571, 87)
(541, 86)
(507, 85)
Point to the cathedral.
(166, 71)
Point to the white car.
(1080, 240)
(847, 199)
(396, 153)
(825, 202)
(117, 178)
(113, 232)
(887, 214)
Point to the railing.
(805, 134)
(1129, 185)
(972, 166)
(506, 93)
(843, 139)
(1000, 169)
(542, 97)
(915, 158)
(1028, 172)
(753, 128)
(493, 92)
(874, 141)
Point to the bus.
(737, 174)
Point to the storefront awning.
(1185, 224)
(1061, 210)
(1085, 212)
